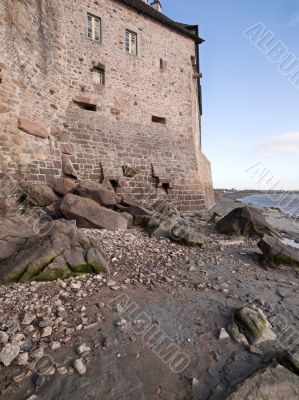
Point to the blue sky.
(250, 127)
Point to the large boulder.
(63, 186)
(272, 383)
(254, 324)
(14, 231)
(40, 195)
(246, 221)
(280, 251)
(90, 214)
(97, 192)
(61, 251)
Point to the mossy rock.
(254, 324)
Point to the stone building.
(105, 90)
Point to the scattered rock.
(79, 366)
(223, 334)
(55, 346)
(83, 348)
(22, 359)
(9, 353)
(3, 337)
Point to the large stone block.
(90, 214)
(33, 128)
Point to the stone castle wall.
(46, 75)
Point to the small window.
(93, 28)
(98, 76)
(158, 120)
(131, 42)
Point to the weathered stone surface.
(130, 172)
(255, 324)
(63, 186)
(90, 214)
(33, 128)
(48, 256)
(40, 195)
(246, 221)
(66, 148)
(280, 251)
(97, 192)
(84, 100)
(67, 167)
(14, 231)
(273, 383)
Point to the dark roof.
(148, 10)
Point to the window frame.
(101, 71)
(133, 33)
(94, 17)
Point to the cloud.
(294, 21)
(286, 144)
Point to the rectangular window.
(98, 76)
(159, 120)
(93, 28)
(131, 42)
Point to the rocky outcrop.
(246, 221)
(90, 214)
(280, 251)
(40, 195)
(275, 383)
(60, 252)
(97, 192)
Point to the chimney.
(157, 5)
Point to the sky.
(250, 67)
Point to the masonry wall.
(47, 64)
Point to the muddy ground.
(185, 294)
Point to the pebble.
(223, 334)
(3, 337)
(47, 331)
(55, 346)
(83, 348)
(38, 353)
(9, 353)
(79, 366)
(28, 319)
(62, 371)
(76, 285)
(22, 359)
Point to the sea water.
(286, 202)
